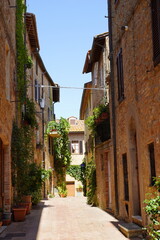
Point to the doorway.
(134, 171)
(1, 174)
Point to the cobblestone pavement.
(65, 219)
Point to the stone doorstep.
(130, 229)
(3, 231)
(137, 220)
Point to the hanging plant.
(100, 115)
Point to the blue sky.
(66, 29)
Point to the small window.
(152, 162)
(36, 67)
(155, 7)
(125, 177)
(72, 121)
(7, 69)
(120, 76)
(50, 146)
(75, 147)
(37, 91)
(95, 74)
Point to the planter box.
(19, 214)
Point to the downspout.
(113, 106)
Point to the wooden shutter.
(35, 90)
(125, 177)
(120, 76)
(38, 92)
(80, 147)
(155, 7)
(55, 93)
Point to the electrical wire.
(102, 88)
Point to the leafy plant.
(91, 120)
(29, 62)
(152, 209)
(61, 151)
(30, 113)
(62, 190)
(75, 171)
(91, 183)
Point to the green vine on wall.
(21, 50)
(61, 149)
(75, 171)
(91, 183)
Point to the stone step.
(130, 229)
(3, 231)
(137, 220)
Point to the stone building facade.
(7, 98)
(99, 149)
(135, 95)
(76, 143)
(43, 94)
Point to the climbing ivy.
(21, 51)
(61, 150)
(91, 183)
(75, 171)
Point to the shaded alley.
(65, 219)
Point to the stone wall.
(7, 97)
(137, 116)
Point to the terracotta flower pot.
(19, 214)
(26, 205)
(6, 218)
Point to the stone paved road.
(65, 219)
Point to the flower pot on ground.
(62, 191)
(6, 218)
(26, 205)
(19, 213)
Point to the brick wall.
(137, 116)
(7, 87)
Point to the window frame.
(79, 147)
(125, 176)
(155, 15)
(152, 162)
(120, 77)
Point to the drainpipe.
(113, 105)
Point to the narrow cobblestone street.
(65, 219)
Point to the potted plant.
(19, 213)
(5, 217)
(62, 191)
